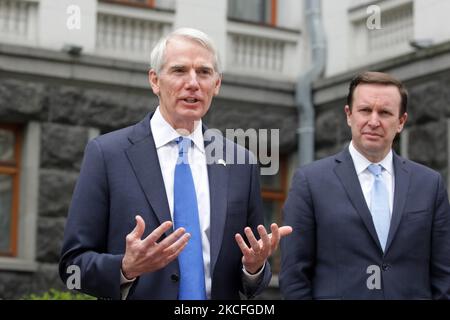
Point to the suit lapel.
(218, 186)
(400, 193)
(144, 161)
(345, 170)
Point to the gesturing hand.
(255, 257)
(147, 255)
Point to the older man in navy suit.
(367, 223)
(154, 215)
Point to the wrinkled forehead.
(388, 95)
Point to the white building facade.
(73, 69)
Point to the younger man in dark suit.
(367, 223)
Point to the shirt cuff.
(125, 285)
(124, 280)
(253, 277)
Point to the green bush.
(54, 294)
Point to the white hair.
(158, 52)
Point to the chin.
(372, 147)
(375, 151)
(196, 112)
(190, 116)
(373, 143)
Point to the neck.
(373, 157)
(183, 127)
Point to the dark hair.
(370, 77)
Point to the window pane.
(138, 1)
(6, 145)
(165, 4)
(134, 1)
(162, 4)
(249, 10)
(5, 212)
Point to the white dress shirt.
(164, 135)
(366, 178)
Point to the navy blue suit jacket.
(334, 239)
(120, 178)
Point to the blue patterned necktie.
(380, 205)
(192, 278)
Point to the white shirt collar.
(164, 133)
(361, 163)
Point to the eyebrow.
(181, 66)
(206, 68)
(369, 106)
(177, 66)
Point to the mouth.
(371, 135)
(190, 100)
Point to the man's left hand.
(255, 256)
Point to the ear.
(217, 84)
(402, 122)
(153, 79)
(348, 112)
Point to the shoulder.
(319, 166)
(220, 147)
(420, 171)
(112, 141)
(121, 139)
(116, 135)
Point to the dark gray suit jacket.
(120, 178)
(334, 239)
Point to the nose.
(374, 121)
(192, 82)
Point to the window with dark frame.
(10, 146)
(148, 4)
(139, 3)
(274, 192)
(256, 11)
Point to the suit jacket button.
(385, 266)
(174, 277)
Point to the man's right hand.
(147, 255)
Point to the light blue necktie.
(380, 205)
(192, 278)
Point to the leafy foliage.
(54, 294)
